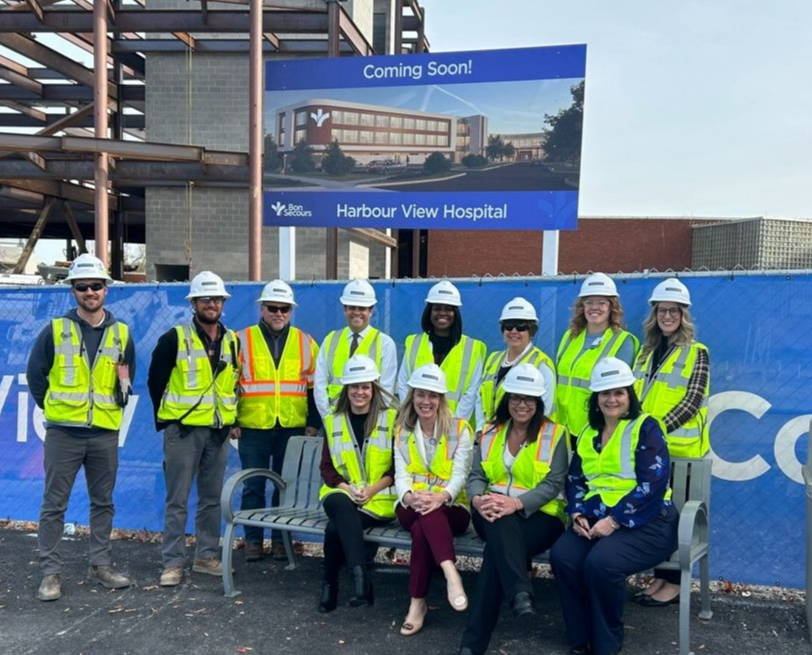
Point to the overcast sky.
(693, 107)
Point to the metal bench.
(299, 511)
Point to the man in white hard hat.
(277, 368)
(192, 382)
(359, 337)
(442, 342)
(79, 373)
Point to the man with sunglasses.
(277, 366)
(193, 386)
(79, 373)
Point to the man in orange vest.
(276, 402)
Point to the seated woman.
(432, 461)
(623, 521)
(515, 486)
(358, 473)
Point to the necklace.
(511, 362)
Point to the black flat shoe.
(328, 600)
(648, 601)
(586, 649)
(467, 651)
(522, 605)
(362, 586)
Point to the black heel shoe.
(328, 600)
(362, 586)
(522, 604)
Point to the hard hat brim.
(616, 384)
(356, 302)
(281, 302)
(192, 296)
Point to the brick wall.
(599, 244)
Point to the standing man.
(193, 385)
(79, 372)
(359, 338)
(277, 364)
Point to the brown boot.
(107, 577)
(278, 551)
(254, 552)
(50, 588)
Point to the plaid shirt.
(691, 403)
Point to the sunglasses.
(507, 326)
(81, 287)
(276, 309)
(205, 300)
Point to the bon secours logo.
(289, 209)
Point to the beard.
(205, 320)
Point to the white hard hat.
(207, 285)
(611, 373)
(671, 290)
(277, 291)
(519, 309)
(524, 379)
(598, 284)
(87, 267)
(358, 369)
(429, 377)
(358, 293)
(444, 293)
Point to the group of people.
(570, 454)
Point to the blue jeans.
(262, 449)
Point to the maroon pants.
(432, 541)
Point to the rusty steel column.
(333, 50)
(255, 145)
(101, 205)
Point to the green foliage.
(301, 159)
(474, 161)
(271, 157)
(436, 163)
(566, 129)
(496, 148)
(335, 162)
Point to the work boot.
(209, 566)
(107, 577)
(278, 551)
(328, 600)
(50, 588)
(253, 552)
(362, 586)
(171, 576)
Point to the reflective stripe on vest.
(610, 473)
(419, 352)
(490, 393)
(337, 344)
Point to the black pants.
(262, 449)
(591, 577)
(344, 534)
(510, 542)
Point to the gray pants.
(188, 452)
(64, 456)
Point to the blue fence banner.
(755, 326)
(486, 140)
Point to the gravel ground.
(276, 612)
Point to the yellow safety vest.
(337, 352)
(79, 395)
(531, 466)
(491, 394)
(193, 396)
(666, 389)
(268, 393)
(610, 474)
(575, 370)
(458, 365)
(364, 466)
(436, 476)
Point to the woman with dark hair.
(515, 486)
(358, 474)
(443, 343)
(519, 324)
(596, 331)
(673, 383)
(623, 521)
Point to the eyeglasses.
(601, 304)
(507, 326)
(205, 300)
(276, 309)
(81, 287)
(527, 401)
(668, 311)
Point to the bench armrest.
(239, 478)
(693, 529)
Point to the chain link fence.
(754, 324)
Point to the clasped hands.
(602, 528)
(359, 496)
(494, 506)
(425, 502)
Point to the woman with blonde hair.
(432, 459)
(673, 383)
(595, 332)
(358, 473)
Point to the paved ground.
(513, 177)
(276, 615)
